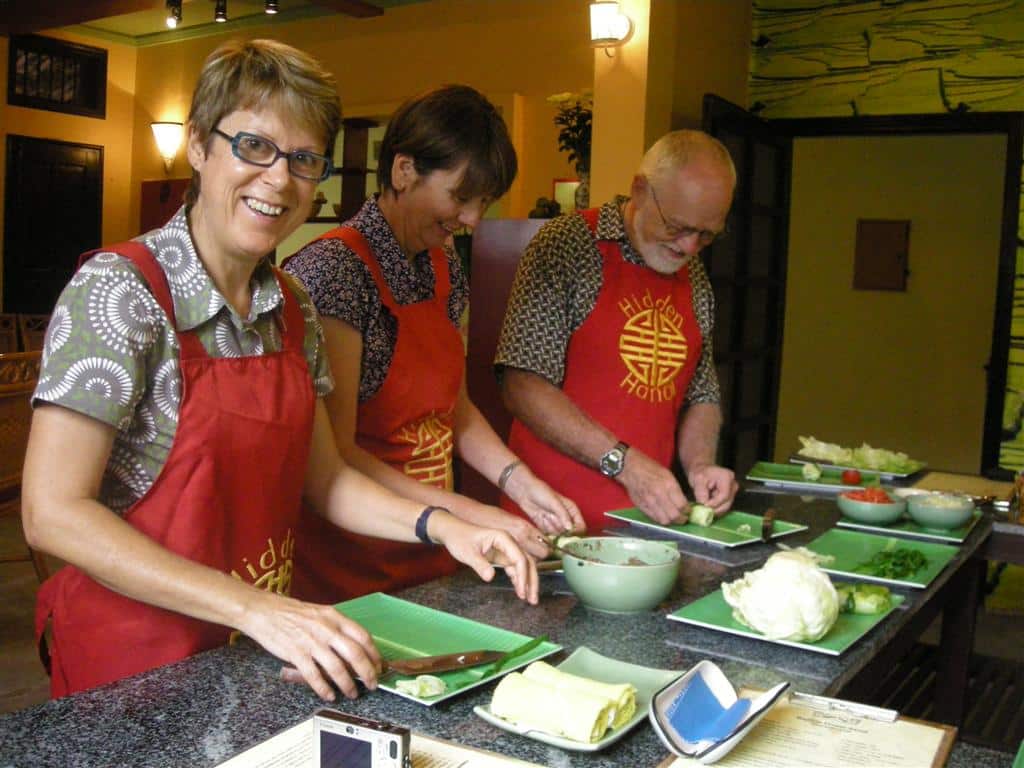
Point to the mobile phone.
(348, 741)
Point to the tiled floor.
(23, 682)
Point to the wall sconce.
(609, 27)
(168, 139)
(173, 13)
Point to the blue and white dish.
(700, 715)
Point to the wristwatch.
(611, 463)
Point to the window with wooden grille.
(44, 73)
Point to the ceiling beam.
(20, 17)
(359, 8)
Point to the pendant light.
(220, 14)
(270, 6)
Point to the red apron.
(408, 424)
(628, 366)
(228, 497)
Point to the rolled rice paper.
(622, 695)
(561, 711)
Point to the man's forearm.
(698, 435)
(554, 418)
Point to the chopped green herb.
(893, 563)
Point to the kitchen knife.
(767, 524)
(425, 665)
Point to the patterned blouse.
(341, 286)
(556, 288)
(111, 352)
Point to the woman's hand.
(550, 511)
(483, 548)
(321, 645)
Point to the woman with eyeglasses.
(391, 292)
(179, 424)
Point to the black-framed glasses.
(256, 150)
(674, 231)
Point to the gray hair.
(674, 151)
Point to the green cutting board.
(713, 612)
(724, 532)
(907, 527)
(852, 548)
(791, 476)
(405, 630)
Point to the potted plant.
(574, 116)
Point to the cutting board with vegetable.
(731, 530)
(865, 457)
(883, 559)
(796, 477)
(406, 630)
(713, 612)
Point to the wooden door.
(748, 274)
(52, 213)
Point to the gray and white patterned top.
(341, 286)
(556, 287)
(111, 352)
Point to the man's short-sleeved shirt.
(111, 352)
(341, 286)
(556, 288)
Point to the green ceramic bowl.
(620, 575)
(869, 512)
(940, 510)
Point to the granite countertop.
(202, 710)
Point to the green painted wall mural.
(843, 58)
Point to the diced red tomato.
(873, 495)
(851, 477)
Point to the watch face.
(611, 462)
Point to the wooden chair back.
(497, 246)
(33, 331)
(8, 333)
(19, 372)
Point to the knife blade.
(424, 665)
(767, 524)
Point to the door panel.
(52, 213)
(748, 275)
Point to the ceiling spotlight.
(173, 13)
(220, 14)
(270, 6)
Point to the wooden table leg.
(957, 641)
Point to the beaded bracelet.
(506, 473)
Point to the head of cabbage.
(788, 598)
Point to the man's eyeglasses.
(674, 231)
(256, 150)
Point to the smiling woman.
(176, 361)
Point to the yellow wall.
(114, 134)
(712, 56)
(679, 50)
(532, 48)
(899, 370)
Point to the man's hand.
(713, 486)
(653, 488)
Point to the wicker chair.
(8, 333)
(33, 331)
(19, 372)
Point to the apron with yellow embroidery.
(408, 423)
(628, 366)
